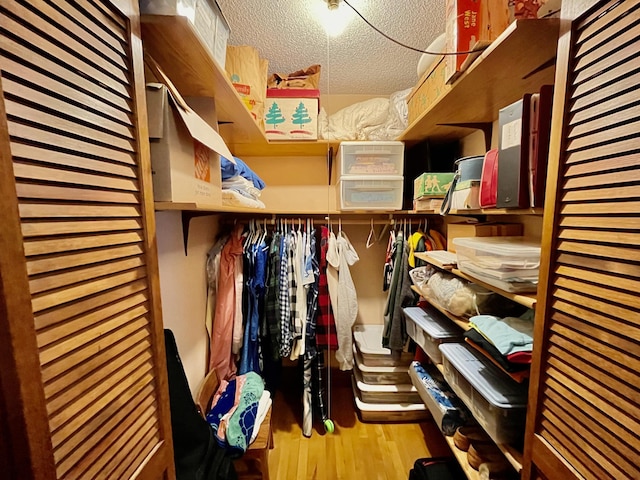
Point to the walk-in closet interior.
(236, 245)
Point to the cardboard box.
(185, 150)
(430, 88)
(455, 230)
(471, 24)
(292, 114)
(205, 16)
(430, 184)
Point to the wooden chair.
(258, 451)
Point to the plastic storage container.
(402, 393)
(389, 412)
(429, 328)
(381, 375)
(447, 410)
(509, 263)
(371, 158)
(368, 340)
(370, 193)
(497, 402)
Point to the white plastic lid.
(436, 325)
(505, 246)
(494, 385)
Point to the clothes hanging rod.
(333, 220)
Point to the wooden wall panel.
(78, 164)
(586, 409)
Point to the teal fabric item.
(509, 334)
(242, 421)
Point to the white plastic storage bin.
(402, 393)
(389, 412)
(381, 375)
(371, 158)
(370, 193)
(509, 263)
(497, 402)
(429, 328)
(368, 340)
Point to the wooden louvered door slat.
(584, 417)
(80, 244)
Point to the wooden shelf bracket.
(187, 215)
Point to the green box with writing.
(431, 184)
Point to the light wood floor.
(355, 450)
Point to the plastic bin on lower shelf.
(447, 410)
(401, 393)
(496, 401)
(381, 375)
(389, 412)
(429, 328)
(368, 339)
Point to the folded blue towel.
(230, 169)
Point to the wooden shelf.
(461, 457)
(307, 148)
(463, 323)
(520, 60)
(203, 207)
(527, 299)
(499, 211)
(432, 261)
(173, 43)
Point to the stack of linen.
(241, 186)
(507, 342)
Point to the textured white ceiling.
(359, 61)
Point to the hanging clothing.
(341, 258)
(270, 326)
(300, 318)
(332, 272)
(400, 296)
(325, 326)
(286, 334)
(213, 274)
(387, 273)
(221, 358)
(257, 256)
(238, 333)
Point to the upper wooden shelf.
(519, 61)
(173, 43)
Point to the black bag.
(437, 468)
(197, 455)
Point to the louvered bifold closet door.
(72, 91)
(586, 421)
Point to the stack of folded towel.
(241, 186)
(508, 341)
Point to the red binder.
(539, 135)
(489, 179)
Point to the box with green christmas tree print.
(291, 114)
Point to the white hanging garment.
(341, 258)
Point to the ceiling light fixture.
(333, 16)
(332, 4)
